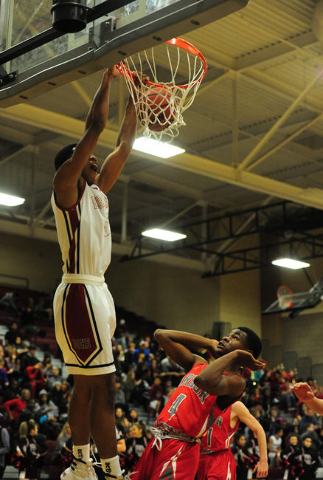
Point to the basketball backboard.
(36, 58)
(301, 301)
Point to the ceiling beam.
(13, 134)
(279, 122)
(17, 151)
(71, 127)
(46, 234)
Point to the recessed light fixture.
(10, 200)
(290, 263)
(156, 148)
(161, 234)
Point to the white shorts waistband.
(82, 278)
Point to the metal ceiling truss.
(262, 256)
(284, 219)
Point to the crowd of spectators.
(35, 393)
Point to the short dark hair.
(63, 155)
(253, 341)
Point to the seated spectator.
(129, 386)
(120, 399)
(21, 347)
(135, 445)
(275, 446)
(12, 391)
(47, 416)
(129, 357)
(172, 371)
(40, 310)
(273, 421)
(13, 364)
(265, 393)
(16, 406)
(47, 366)
(27, 317)
(140, 392)
(309, 460)
(311, 432)
(2, 356)
(155, 368)
(156, 393)
(287, 398)
(12, 334)
(122, 340)
(4, 382)
(133, 417)
(142, 353)
(31, 449)
(308, 417)
(64, 435)
(239, 441)
(60, 395)
(28, 359)
(53, 377)
(4, 445)
(9, 302)
(35, 377)
(29, 413)
(275, 378)
(290, 457)
(252, 453)
(122, 422)
(121, 357)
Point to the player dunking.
(216, 459)
(201, 397)
(83, 306)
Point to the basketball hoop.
(160, 104)
(285, 297)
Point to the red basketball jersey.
(220, 434)
(189, 410)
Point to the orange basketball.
(160, 108)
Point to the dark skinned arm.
(114, 163)
(211, 379)
(176, 345)
(66, 178)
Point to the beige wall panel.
(240, 301)
(175, 297)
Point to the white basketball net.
(161, 102)
(285, 297)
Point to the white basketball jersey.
(84, 234)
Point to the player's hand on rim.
(112, 72)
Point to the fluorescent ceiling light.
(10, 200)
(290, 263)
(154, 147)
(163, 234)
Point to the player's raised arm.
(114, 163)
(305, 394)
(176, 345)
(213, 381)
(240, 410)
(67, 177)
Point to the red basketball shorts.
(176, 460)
(219, 466)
